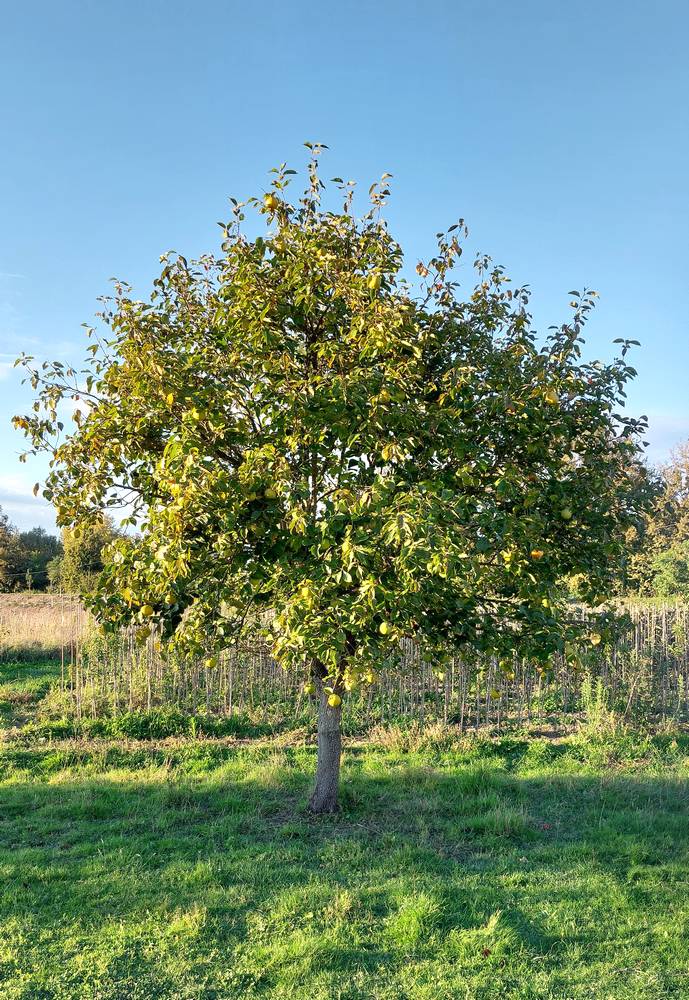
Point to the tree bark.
(324, 796)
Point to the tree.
(665, 529)
(317, 449)
(24, 556)
(76, 571)
(36, 549)
(670, 569)
(8, 552)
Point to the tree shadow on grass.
(219, 884)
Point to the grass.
(154, 869)
(22, 686)
(38, 625)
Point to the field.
(188, 869)
(36, 625)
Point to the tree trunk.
(324, 797)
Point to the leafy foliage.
(671, 571)
(77, 569)
(309, 442)
(25, 556)
(7, 551)
(657, 546)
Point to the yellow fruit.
(270, 493)
(384, 628)
(169, 399)
(552, 397)
(373, 282)
(212, 662)
(537, 553)
(147, 611)
(566, 514)
(271, 202)
(334, 700)
(309, 688)
(595, 639)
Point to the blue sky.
(559, 131)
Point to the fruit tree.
(315, 447)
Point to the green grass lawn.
(22, 685)
(188, 869)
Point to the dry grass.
(39, 625)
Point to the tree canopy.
(313, 444)
(81, 560)
(658, 545)
(25, 556)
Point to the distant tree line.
(38, 560)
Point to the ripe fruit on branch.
(271, 202)
(334, 700)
